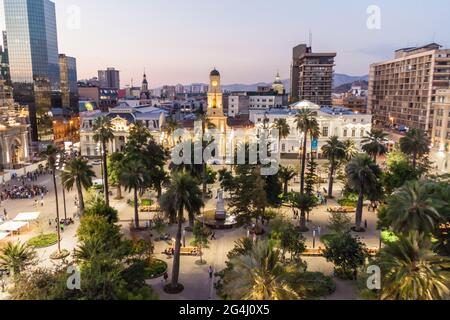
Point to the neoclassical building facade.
(14, 131)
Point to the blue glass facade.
(33, 45)
(34, 60)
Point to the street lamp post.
(314, 239)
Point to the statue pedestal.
(220, 208)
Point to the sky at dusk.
(180, 41)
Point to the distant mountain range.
(339, 80)
(347, 86)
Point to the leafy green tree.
(115, 165)
(399, 171)
(103, 134)
(99, 207)
(416, 143)
(339, 222)
(79, 173)
(412, 207)
(411, 271)
(200, 241)
(307, 124)
(183, 194)
(258, 275)
(346, 253)
(374, 144)
(334, 151)
(134, 178)
(362, 174)
(286, 174)
(311, 177)
(17, 257)
(50, 155)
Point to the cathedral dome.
(215, 73)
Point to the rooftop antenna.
(310, 38)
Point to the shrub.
(155, 269)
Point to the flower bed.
(44, 240)
(60, 255)
(156, 269)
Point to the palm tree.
(183, 194)
(305, 203)
(17, 257)
(79, 173)
(307, 124)
(411, 271)
(334, 151)
(104, 134)
(362, 174)
(206, 124)
(416, 143)
(259, 275)
(375, 143)
(349, 149)
(170, 127)
(287, 174)
(50, 155)
(284, 130)
(116, 161)
(412, 208)
(134, 177)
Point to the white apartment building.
(241, 102)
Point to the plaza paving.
(195, 278)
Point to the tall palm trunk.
(176, 257)
(64, 201)
(136, 208)
(105, 173)
(414, 162)
(57, 210)
(302, 175)
(359, 209)
(119, 192)
(286, 187)
(331, 180)
(303, 220)
(80, 196)
(204, 168)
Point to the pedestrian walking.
(42, 202)
(35, 203)
(5, 213)
(49, 222)
(319, 230)
(365, 224)
(213, 236)
(166, 276)
(61, 226)
(211, 272)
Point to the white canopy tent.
(12, 226)
(27, 216)
(3, 235)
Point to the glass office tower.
(34, 61)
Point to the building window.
(345, 132)
(353, 133)
(362, 133)
(325, 131)
(283, 148)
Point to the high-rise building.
(33, 60)
(69, 88)
(4, 59)
(109, 79)
(312, 75)
(402, 91)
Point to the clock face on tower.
(214, 83)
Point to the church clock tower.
(215, 109)
(215, 102)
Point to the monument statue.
(220, 207)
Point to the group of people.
(22, 192)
